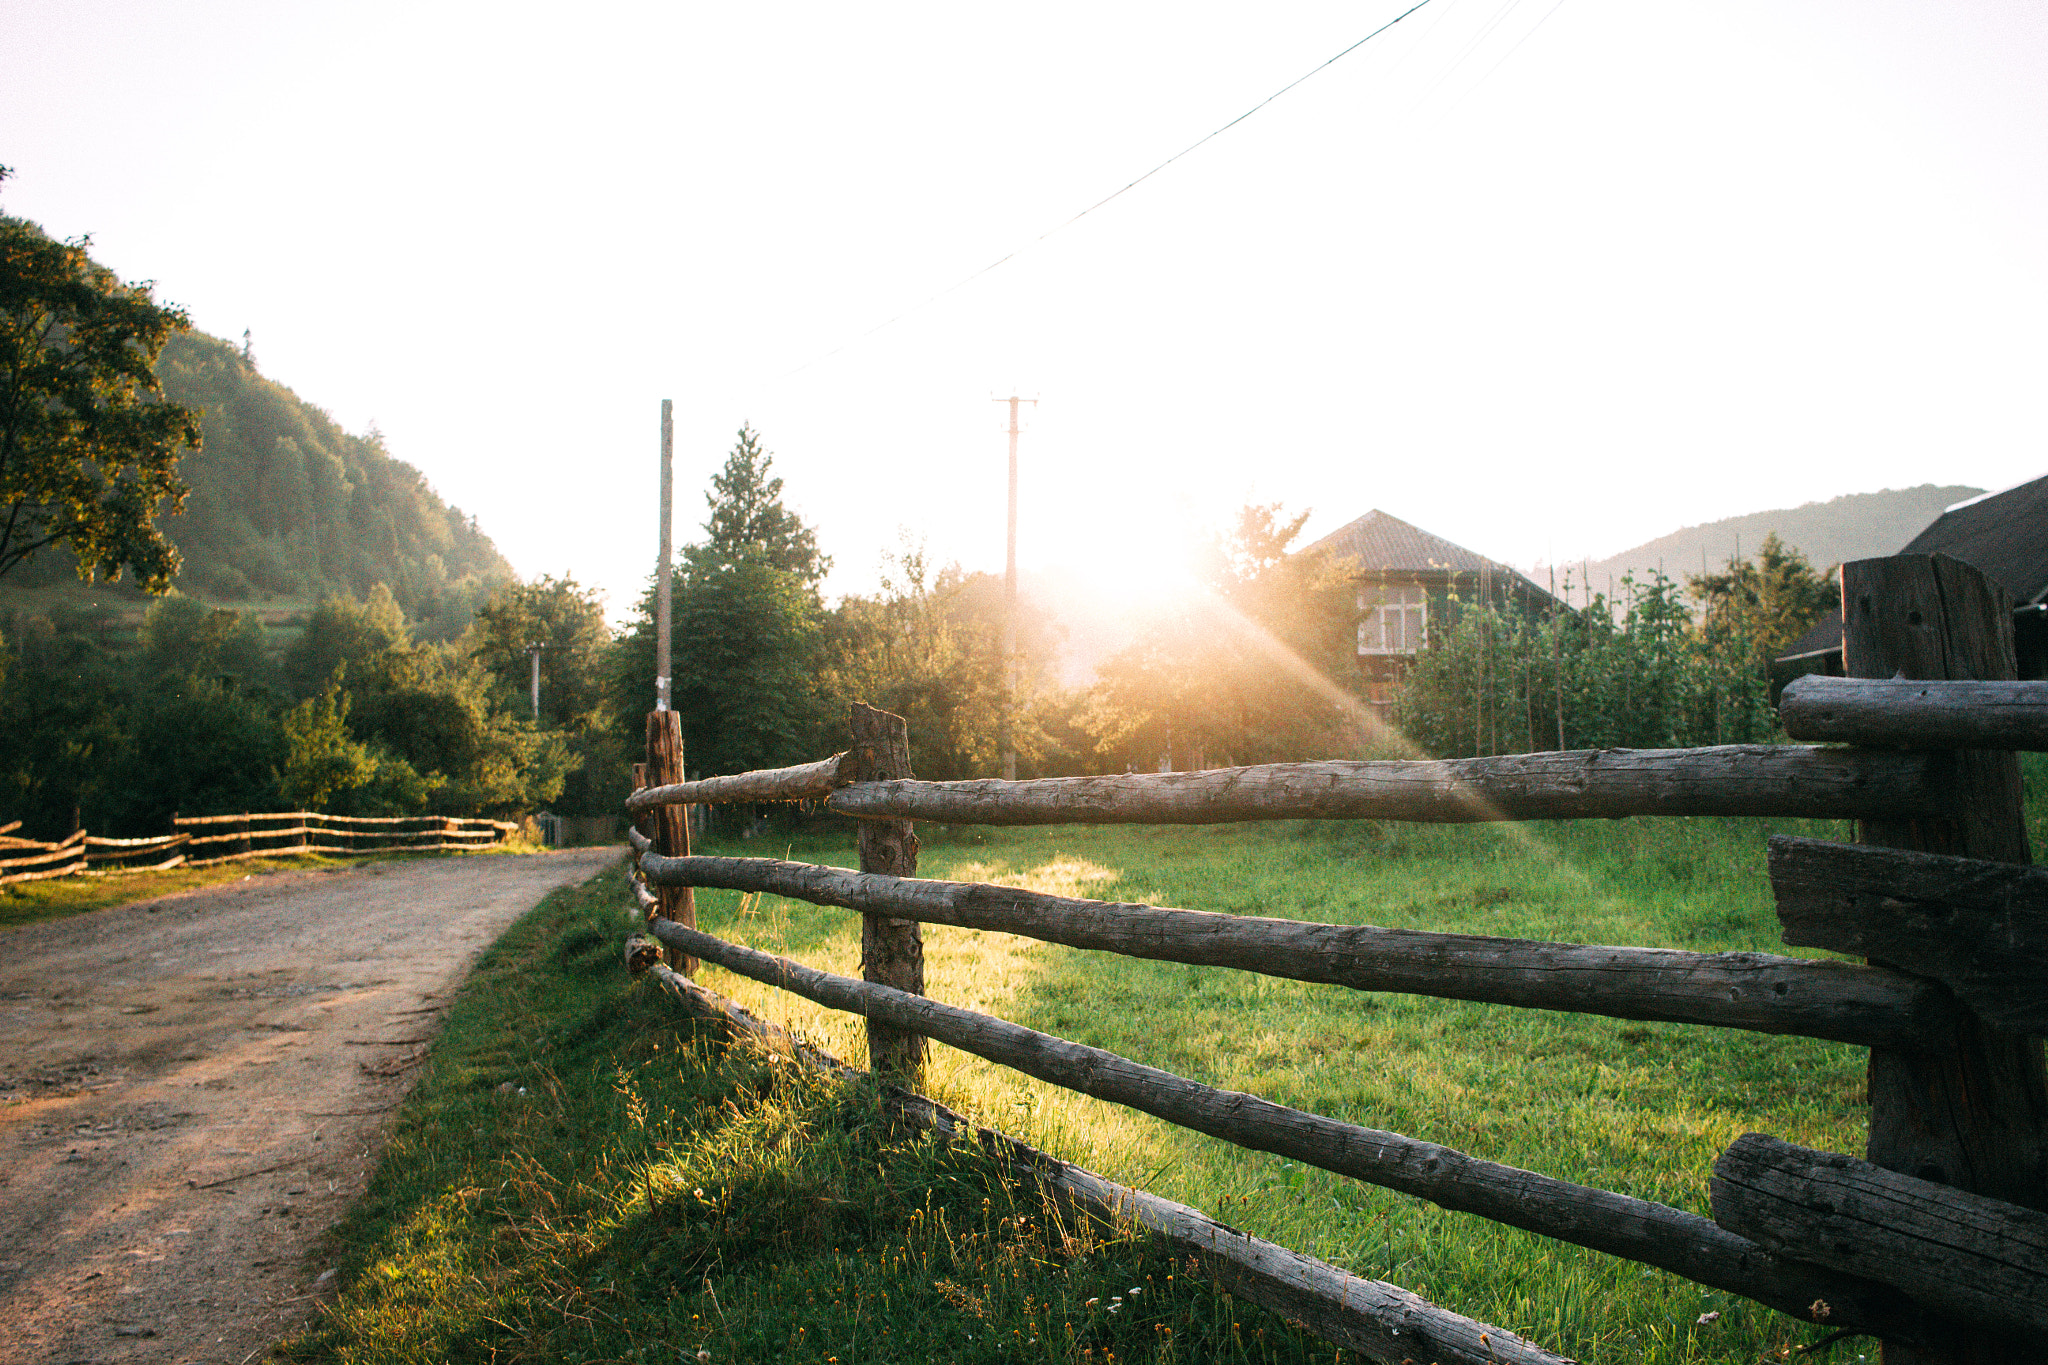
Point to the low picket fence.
(206, 840)
(1934, 1241)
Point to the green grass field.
(652, 1194)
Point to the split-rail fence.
(204, 840)
(1934, 1241)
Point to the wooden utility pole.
(1010, 680)
(1970, 1109)
(664, 766)
(891, 950)
(533, 654)
(661, 569)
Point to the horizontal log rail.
(50, 853)
(1958, 1254)
(303, 816)
(10, 827)
(800, 783)
(1761, 992)
(1733, 779)
(1376, 1319)
(153, 841)
(1908, 714)
(1600, 1219)
(1980, 928)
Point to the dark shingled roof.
(1386, 544)
(2004, 534)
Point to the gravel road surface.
(193, 1088)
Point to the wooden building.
(1410, 583)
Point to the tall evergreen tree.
(749, 523)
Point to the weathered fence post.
(1972, 1111)
(891, 950)
(671, 833)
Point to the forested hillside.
(287, 505)
(1854, 526)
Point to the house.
(2005, 534)
(1410, 581)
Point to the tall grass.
(1642, 1108)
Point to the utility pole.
(1009, 732)
(661, 570)
(533, 653)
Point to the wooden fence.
(204, 840)
(1935, 1241)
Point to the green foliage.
(284, 504)
(182, 638)
(929, 648)
(747, 632)
(1258, 668)
(1768, 602)
(576, 662)
(749, 523)
(321, 760)
(1633, 674)
(343, 632)
(88, 446)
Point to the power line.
(1108, 198)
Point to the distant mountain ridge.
(285, 504)
(1854, 526)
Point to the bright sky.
(1548, 279)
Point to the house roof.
(1386, 544)
(2004, 534)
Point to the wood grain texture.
(1376, 1319)
(1972, 1259)
(670, 825)
(1980, 928)
(1913, 713)
(799, 783)
(1972, 1112)
(1733, 779)
(1601, 1219)
(1756, 991)
(891, 948)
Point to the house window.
(1393, 618)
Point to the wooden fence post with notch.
(671, 833)
(1971, 1110)
(891, 950)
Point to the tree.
(88, 445)
(746, 630)
(749, 522)
(1769, 602)
(567, 621)
(1258, 668)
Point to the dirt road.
(192, 1089)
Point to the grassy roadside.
(581, 1175)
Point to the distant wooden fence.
(205, 840)
(1936, 1243)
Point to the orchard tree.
(88, 446)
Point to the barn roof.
(1382, 543)
(2005, 534)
